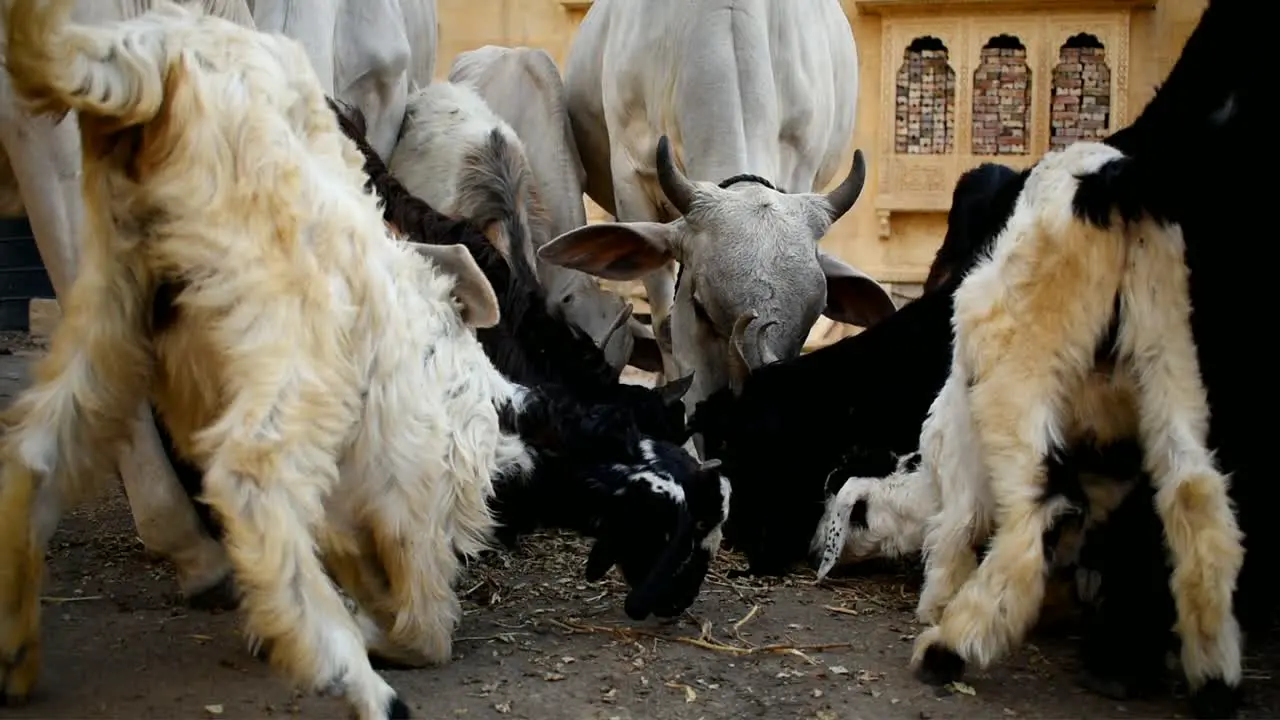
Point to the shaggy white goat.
(318, 369)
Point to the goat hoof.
(221, 596)
(397, 710)
(939, 666)
(1215, 699)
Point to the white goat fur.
(1027, 323)
(318, 369)
(446, 133)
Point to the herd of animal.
(337, 328)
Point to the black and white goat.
(1105, 255)
(882, 497)
(655, 512)
(843, 427)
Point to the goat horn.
(739, 368)
(846, 194)
(709, 465)
(678, 189)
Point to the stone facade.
(926, 100)
(1081, 100)
(1002, 98)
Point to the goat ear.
(471, 288)
(613, 251)
(673, 391)
(600, 560)
(853, 296)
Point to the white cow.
(523, 87)
(749, 92)
(370, 54)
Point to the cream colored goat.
(320, 370)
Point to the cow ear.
(471, 288)
(853, 296)
(614, 251)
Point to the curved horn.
(846, 194)
(709, 465)
(739, 368)
(759, 348)
(618, 323)
(678, 189)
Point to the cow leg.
(60, 436)
(1200, 529)
(167, 520)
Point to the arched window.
(1081, 99)
(1002, 98)
(925, 103)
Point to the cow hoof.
(939, 666)
(222, 596)
(397, 710)
(1215, 699)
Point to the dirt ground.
(539, 642)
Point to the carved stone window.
(925, 100)
(1081, 98)
(1002, 98)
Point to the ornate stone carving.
(916, 182)
(919, 178)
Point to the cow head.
(579, 299)
(752, 281)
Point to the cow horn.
(679, 190)
(846, 194)
(618, 323)
(739, 368)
